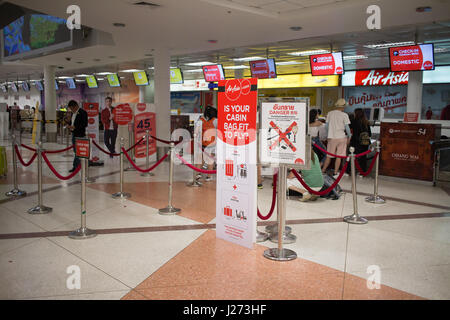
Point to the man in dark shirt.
(78, 125)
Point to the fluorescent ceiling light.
(152, 68)
(82, 75)
(308, 53)
(199, 64)
(104, 73)
(236, 67)
(130, 70)
(438, 50)
(79, 80)
(287, 63)
(248, 59)
(63, 77)
(194, 70)
(388, 45)
(100, 79)
(358, 57)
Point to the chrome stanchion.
(121, 194)
(355, 218)
(16, 192)
(67, 154)
(375, 198)
(87, 178)
(40, 208)
(194, 183)
(147, 155)
(261, 236)
(280, 253)
(131, 141)
(170, 210)
(83, 232)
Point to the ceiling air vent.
(147, 4)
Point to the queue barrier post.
(83, 232)
(131, 143)
(280, 253)
(87, 178)
(194, 183)
(121, 194)
(355, 218)
(147, 155)
(40, 208)
(15, 192)
(67, 154)
(170, 210)
(375, 198)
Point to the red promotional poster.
(327, 64)
(213, 73)
(144, 120)
(411, 117)
(123, 114)
(237, 111)
(92, 109)
(412, 58)
(380, 77)
(263, 69)
(82, 148)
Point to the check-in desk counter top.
(407, 150)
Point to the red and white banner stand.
(236, 205)
(145, 119)
(92, 110)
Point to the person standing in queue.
(361, 136)
(209, 133)
(339, 135)
(78, 124)
(110, 126)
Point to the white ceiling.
(241, 28)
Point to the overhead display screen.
(4, 88)
(140, 78)
(25, 86)
(56, 85)
(70, 82)
(91, 82)
(263, 69)
(412, 58)
(176, 77)
(327, 64)
(14, 87)
(213, 73)
(38, 85)
(34, 33)
(113, 80)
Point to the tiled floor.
(139, 254)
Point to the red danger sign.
(82, 148)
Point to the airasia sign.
(380, 77)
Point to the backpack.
(334, 194)
(364, 138)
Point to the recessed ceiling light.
(388, 45)
(212, 41)
(112, 57)
(358, 57)
(97, 60)
(119, 25)
(199, 64)
(248, 59)
(308, 52)
(296, 28)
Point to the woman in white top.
(318, 133)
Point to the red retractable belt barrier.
(70, 176)
(144, 170)
(19, 156)
(195, 168)
(370, 167)
(274, 197)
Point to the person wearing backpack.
(361, 136)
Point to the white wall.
(22, 98)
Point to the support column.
(161, 59)
(50, 102)
(415, 87)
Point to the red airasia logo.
(91, 120)
(428, 65)
(339, 70)
(245, 87)
(141, 107)
(299, 161)
(233, 89)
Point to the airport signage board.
(82, 148)
(92, 110)
(327, 64)
(263, 69)
(145, 119)
(123, 114)
(236, 207)
(412, 58)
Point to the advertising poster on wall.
(186, 102)
(236, 206)
(391, 98)
(145, 119)
(283, 132)
(92, 109)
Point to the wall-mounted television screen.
(140, 78)
(4, 88)
(91, 82)
(25, 86)
(213, 73)
(70, 82)
(14, 87)
(412, 58)
(263, 69)
(327, 64)
(176, 76)
(56, 85)
(113, 80)
(38, 85)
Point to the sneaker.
(314, 197)
(260, 186)
(335, 175)
(306, 196)
(207, 179)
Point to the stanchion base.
(90, 180)
(194, 184)
(40, 210)
(287, 238)
(277, 255)
(261, 236)
(169, 210)
(129, 169)
(121, 195)
(82, 233)
(274, 228)
(147, 174)
(16, 193)
(355, 219)
(375, 199)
